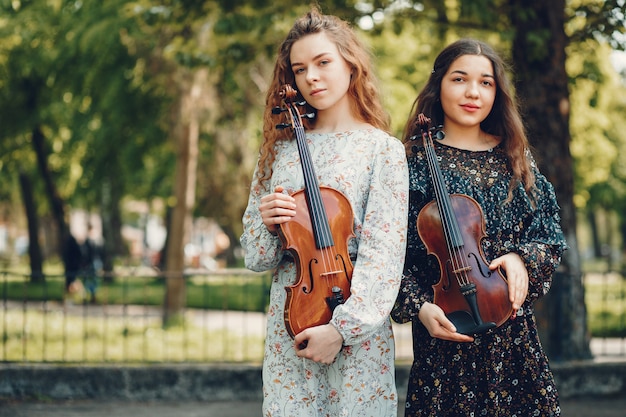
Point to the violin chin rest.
(465, 323)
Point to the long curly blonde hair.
(363, 90)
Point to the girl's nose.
(312, 75)
(472, 90)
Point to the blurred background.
(129, 131)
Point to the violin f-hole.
(480, 265)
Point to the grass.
(106, 332)
(236, 292)
(125, 323)
(56, 336)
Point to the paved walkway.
(587, 407)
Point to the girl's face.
(322, 75)
(468, 91)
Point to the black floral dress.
(505, 371)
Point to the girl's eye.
(324, 62)
(298, 71)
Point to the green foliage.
(102, 78)
(598, 20)
(598, 140)
(70, 72)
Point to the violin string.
(432, 164)
(316, 209)
(451, 233)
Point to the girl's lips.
(317, 91)
(470, 107)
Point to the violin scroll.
(425, 126)
(423, 122)
(288, 95)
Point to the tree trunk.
(542, 84)
(34, 248)
(595, 237)
(168, 226)
(622, 229)
(65, 240)
(188, 133)
(56, 203)
(111, 226)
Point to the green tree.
(73, 91)
(539, 53)
(27, 101)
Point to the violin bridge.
(464, 269)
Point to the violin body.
(492, 294)
(317, 237)
(452, 227)
(311, 300)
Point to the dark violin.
(317, 236)
(474, 298)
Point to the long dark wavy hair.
(504, 120)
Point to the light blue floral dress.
(370, 168)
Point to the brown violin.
(474, 298)
(317, 237)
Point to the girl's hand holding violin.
(277, 208)
(319, 344)
(516, 276)
(438, 325)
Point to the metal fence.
(223, 321)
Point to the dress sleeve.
(542, 242)
(263, 251)
(381, 248)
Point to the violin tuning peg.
(440, 135)
(309, 116)
(277, 110)
(283, 126)
(301, 103)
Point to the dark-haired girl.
(485, 155)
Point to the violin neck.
(444, 203)
(317, 211)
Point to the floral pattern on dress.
(370, 168)
(505, 371)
